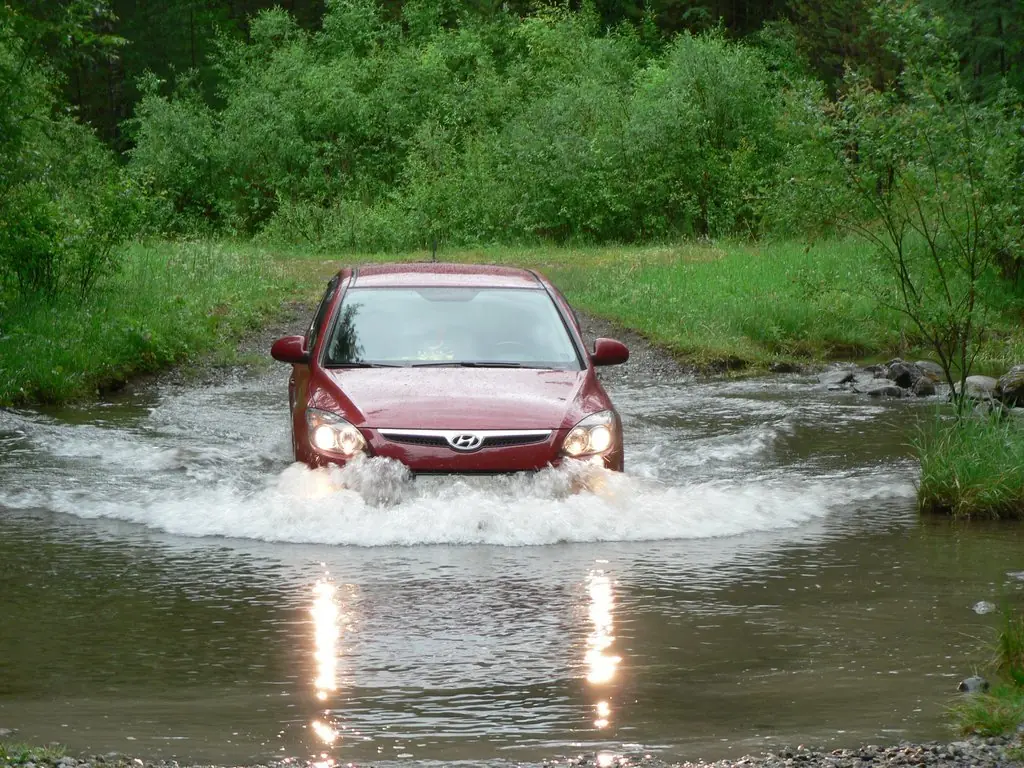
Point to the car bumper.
(423, 458)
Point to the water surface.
(170, 585)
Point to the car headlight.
(330, 433)
(594, 434)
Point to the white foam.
(307, 506)
(701, 463)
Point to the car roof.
(421, 274)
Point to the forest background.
(157, 160)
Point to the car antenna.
(433, 248)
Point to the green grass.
(736, 305)
(171, 302)
(1001, 711)
(973, 468)
(996, 713)
(715, 306)
(1010, 649)
(12, 754)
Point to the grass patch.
(170, 302)
(1002, 711)
(1010, 650)
(19, 754)
(997, 713)
(973, 468)
(714, 305)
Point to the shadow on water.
(171, 586)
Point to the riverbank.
(171, 303)
(713, 306)
(969, 753)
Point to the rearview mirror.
(290, 349)
(609, 352)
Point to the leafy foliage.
(65, 206)
(369, 134)
(940, 177)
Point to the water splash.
(214, 462)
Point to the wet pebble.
(983, 606)
(976, 751)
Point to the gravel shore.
(974, 752)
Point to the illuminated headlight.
(595, 434)
(332, 434)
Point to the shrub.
(467, 129)
(941, 176)
(65, 206)
(175, 155)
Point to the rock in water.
(886, 390)
(904, 374)
(924, 387)
(836, 379)
(983, 607)
(973, 685)
(864, 380)
(1011, 386)
(930, 369)
(991, 409)
(980, 387)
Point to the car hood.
(459, 398)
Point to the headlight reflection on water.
(601, 663)
(325, 639)
(326, 630)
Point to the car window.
(409, 326)
(318, 319)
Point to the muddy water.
(171, 586)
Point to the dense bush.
(939, 176)
(373, 134)
(65, 205)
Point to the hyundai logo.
(466, 443)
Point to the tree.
(56, 232)
(941, 175)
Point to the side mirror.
(290, 349)
(609, 352)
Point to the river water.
(171, 586)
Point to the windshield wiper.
(363, 365)
(467, 364)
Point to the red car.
(449, 368)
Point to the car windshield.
(501, 327)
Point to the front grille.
(435, 441)
(502, 442)
(474, 473)
(490, 438)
